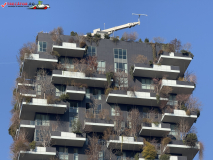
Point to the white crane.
(116, 28)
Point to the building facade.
(64, 106)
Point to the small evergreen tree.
(146, 40)
(149, 151)
(73, 33)
(140, 40)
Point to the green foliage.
(160, 52)
(140, 41)
(146, 40)
(12, 130)
(89, 34)
(122, 39)
(198, 113)
(107, 91)
(106, 36)
(188, 53)
(131, 71)
(191, 139)
(136, 156)
(55, 53)
(183, 107)
(51, 99)
(64, 97)
(73, 33)
(33, 145)
(109, 76)
(97, 35)
(115, 39)
(76, 126)
(28, 99)
(158, 98)
(156, 123)
(165, 157)
(82, 44)
(150, 63)
(149, 151)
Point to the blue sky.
(189, 21)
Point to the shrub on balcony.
(55, 53)
(51, 99)
(131, 71)
(106, 36)
(33, 145)
(28, 99)
(140, 41)
(146, 40)
(64, 97)
(12, 130)
(188, 112)
(165, 141)
(136, 156)
(109, 76)
(187, 53)
(191, 139)
(76, 126)
(165, 157)
(115, 40)
(150, 63)
(149, 151)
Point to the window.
(120, 59)
(38, 89)
(38, 136)
(173, 129)
(101, 156)
(120, 53)
(115, 110)
(63, 153)
(147, 84)
(172, 100)
(73, 107)
(101, 67)
(42, 46)
(95, 92)
(75, 154)
(67, 63)
(121, 81)
(42, 120)
(72, 120)
(59, 90)
(121, 67)
(97, 110)
(122, 157)
(91, 51)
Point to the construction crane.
(116, 28)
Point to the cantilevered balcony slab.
(34, 61)
(128, 143)
(171, 158)
(158, 71)
(68, 139)
(150, 129)
(98, 125)
(38, 153)
(69, 50)
(178, 147)
(28, 127)
(28, 110)
(76, 93)
(179, 87)
(137, 98)
(28, 93)
(176, 59)
(64, 77)
(177, 115)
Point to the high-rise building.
(86, 97)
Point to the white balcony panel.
(69, 50)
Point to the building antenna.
(139, 16)
(104, 25)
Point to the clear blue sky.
(189, 21)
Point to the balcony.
(75, 93)
(178, 147)
(150, 129)
(34, 61)
(137, 98)
(38, 153)
(175, 59)
(28, 127)
(64, 77)
(176, 115)
(68, 139)
(158, 71)
(171, 158)
(179, 87)
(28, 93)
(69, 50)
(127, 143)
(98, 125)
(28, 110)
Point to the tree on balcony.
(149, 151)
(56, 35)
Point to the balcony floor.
(154, 131)
(97, 127)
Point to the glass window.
(42, 46)
(72, 120)
(147, 83)
(38, 89)
(73, 107)
(101, 156)
(121, 67)
(42, 120)
(172, 100)
(96, 93)
(63, 153)
(87, 93)
(101, 67)
(98, 109)
(114, 109)
(67, 62)
(91, 51)
(38, 135)
(75, 153)
(60, 89)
